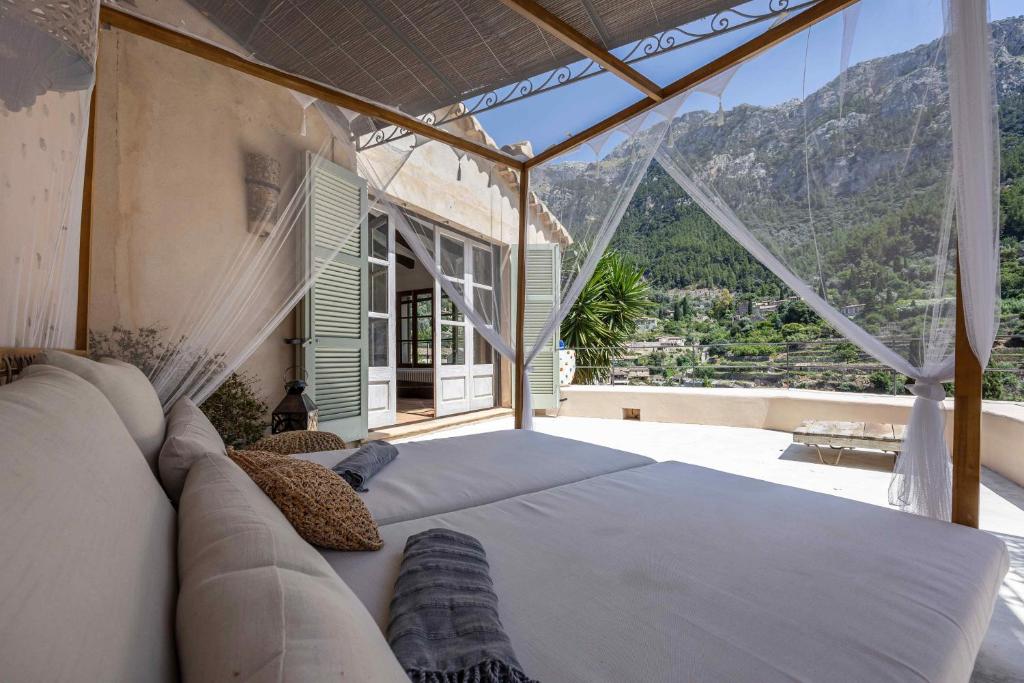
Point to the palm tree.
(605, 315)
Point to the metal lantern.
(296, 411)
(45, 45)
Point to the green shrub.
(234, 409)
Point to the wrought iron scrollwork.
(717, 24)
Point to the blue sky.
(884, 27)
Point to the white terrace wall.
(172, 132)
(784, 410)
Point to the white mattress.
(440, 475)
(671, 572)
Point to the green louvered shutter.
(543, 282)
(335, 317)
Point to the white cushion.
(128, 390)
(189, 435)
(257, 603)
(87, 540)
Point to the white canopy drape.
(853, 184)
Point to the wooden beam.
(85, 233)
(551, 23)
(524, 207)
(766, 40)
(218, 55)
(966, 423)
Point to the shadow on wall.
(235, 408)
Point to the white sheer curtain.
(240, 271)
(46, 78)
(483, 210)
(852, 184)
(976, 164)
(588, 190)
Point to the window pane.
(423, 331)
(449, 311)
(483, 354)
(379, 237)
(378, 342)
(425, 306)
(425, 353)
(453, 345)
(483, 266)
(378, 288)
(405, 353)
(483, 303)
(453, 258)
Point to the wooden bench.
(843, 435)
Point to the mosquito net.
(217, 222)
(46, 78)
(455, 215)
(853, 160)
(851, 168)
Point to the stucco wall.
(169, 187)
(172, 132)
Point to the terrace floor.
(864, 476)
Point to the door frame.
(384, 374)
(462, 370)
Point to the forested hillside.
(679, 246)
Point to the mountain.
(875, 205)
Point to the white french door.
(481, 283)
(464, 366)
(452, 364)
(381, 384)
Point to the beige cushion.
(322, 507)
(258, 603)
(128, 390)
(87, 540)
(189, 435)
(299, 441)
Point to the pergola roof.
(419, 55)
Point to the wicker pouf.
(289, 443)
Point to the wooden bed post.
(524, 204)
(85, 232)
(966, 423)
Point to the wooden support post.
(524, 206)
(85, 233)
(966, 423)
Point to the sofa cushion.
(189, 435)
(128, 390)
(87, 540)
(299, 441)
(257, 603)
(320, 505)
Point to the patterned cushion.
(321, 506)
(289, 443)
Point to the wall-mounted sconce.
(262, 191)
